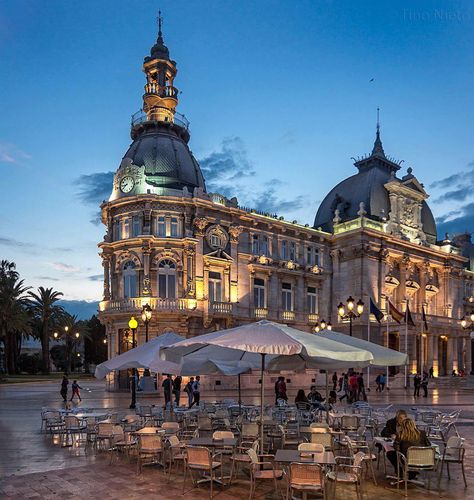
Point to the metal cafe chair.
(418, 459)
(305, 478)
(258, 472)
(150, 450)
(200, 460)
(453, 454)
(348, 470)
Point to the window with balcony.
(292, 251)
(167, 279)
(259, 293)
(136, 226)
(286, 297)
(129, 275)
(255, 244)
(265, 248)
(312, 256)
(312, 300)
(215, 286)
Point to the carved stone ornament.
(235, 232)
(200, 224)
(217, 237)
(146, 292)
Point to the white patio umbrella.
(268, 338)
(383, 356)
(141, 357)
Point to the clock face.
(126, 184)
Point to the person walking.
(64, 384)
(167, 389)
(424, 384)
(377, 381)
(360, 382)
(383, 381)
(431, 372)
(75, 390)
(188, 389)
(196, 391)
(417, 384)
(177, 388)
(334, 381)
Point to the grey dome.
(166, 158)
(368, 186)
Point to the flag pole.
(406, 341)
(368, 339)
(388, 342)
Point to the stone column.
(273, 300)
(106, 266)
(430, 348)
(200, 224)
(451, 348)
(434, 354)
(146, 251)
(234, 232)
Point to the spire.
(378, 148)
(160, 23)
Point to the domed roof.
(368, 186)
(158, 159)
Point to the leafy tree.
(14, 318)
(73, 326)
(95, 350)
(47, 312)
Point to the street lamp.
(70, 341)
(133, 324)
(350, 314)
(465, 321)
(146, 317)
(322, 326)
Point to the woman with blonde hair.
(408, 435)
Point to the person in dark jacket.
(409, 435)
(416, 384)
(64, 384)
(392, 425)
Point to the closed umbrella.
(278, 340)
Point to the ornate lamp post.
(322, 326)
(350, 314)
(146, 317)
(133, 324)
(467, 323)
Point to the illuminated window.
(312, 300)
(136, 226)
(167, 279)
(259, 293)
(160, 227)
(286, 297)
(215, 286)
(129, 275)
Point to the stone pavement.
(32, 465)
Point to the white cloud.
(9, 153)
(65, 268)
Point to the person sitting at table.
(301, 401)
(408, 435)
(393, 425)
(314, 396)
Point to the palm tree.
(74, 326)
(45, 310)
(14, 319)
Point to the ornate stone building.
(202, 262)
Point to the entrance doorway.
(442, 356)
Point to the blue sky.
(280, 90)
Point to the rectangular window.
(161, 227)
(174, 225)
(312, 300)
(129, 286)
(255, 245)
(286, 297)
(284, 250)
(259, 293)
(215, 287)
(126, 228)
(136, 226)
(117, 230)
(292, 251)
(312, 256)
(265, 249)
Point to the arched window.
(167, 279)
(129, 280)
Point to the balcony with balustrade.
(221, 309)
(134, 305)
(162, 91)
(288, 316)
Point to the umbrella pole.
(262, 397)
(327, 397)
(240, 397)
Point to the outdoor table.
(208, 442)
(286, 457)
(150, 430)
(95, 415)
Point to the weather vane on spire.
(160, 24)
(378, 119)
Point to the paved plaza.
(32, 465)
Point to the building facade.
(202, 262)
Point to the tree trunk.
(45, 348)
(9, 347)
